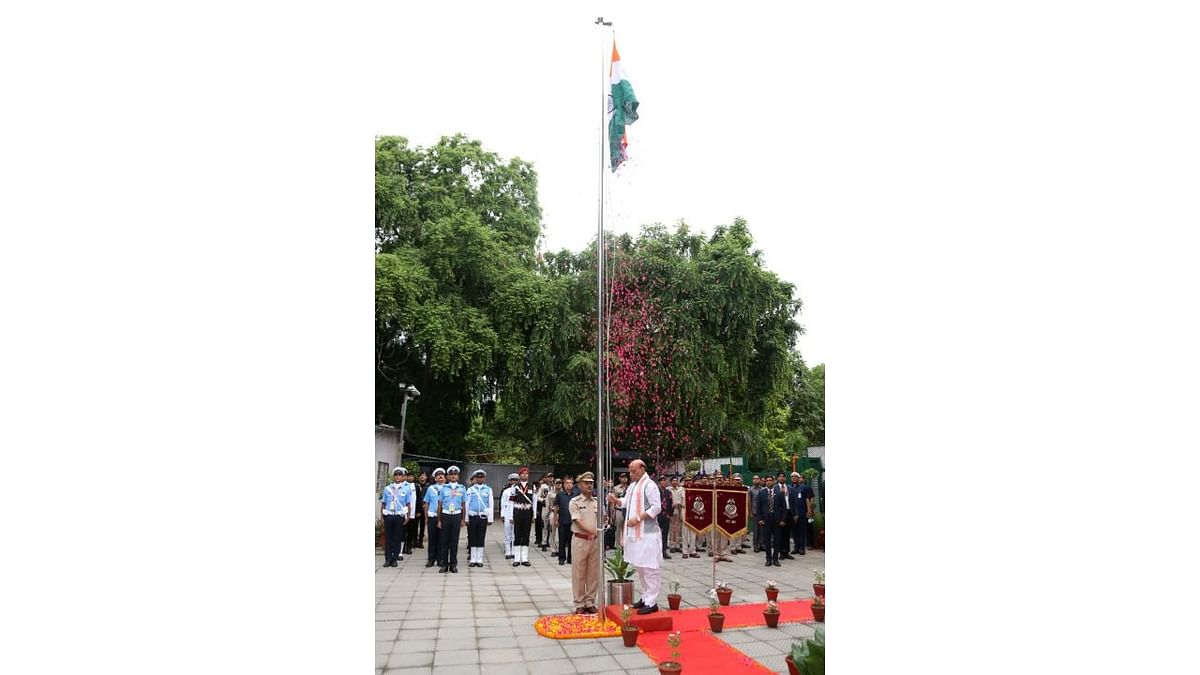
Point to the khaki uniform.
(677, 527)
(617, 517)
(585, 558)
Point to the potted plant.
(672, 666)
(673, 598)
(724, 592)
(819, 586)
(818, 608)
(629, 632)
(620, 587)
(772, 590)
(771, 614)
(716, 620)
(808, 657)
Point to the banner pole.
(712, 534)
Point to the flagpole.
(601, 448)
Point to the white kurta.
(647, 550)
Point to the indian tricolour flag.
(622, 110)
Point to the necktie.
(771, 505)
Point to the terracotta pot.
(724, 596)
(792, 669)
(670, 667)
(772, 619)
(772, 594)
(819, 590)
(629, 635)
(673, 600)
(716, 622)
(819, 613)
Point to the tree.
(808, 401)
(700, 340)
(455, 233)
(501, 339)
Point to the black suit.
(563, 501)
(798, 494)
(664, 517)
(416, 526)
(770, 507)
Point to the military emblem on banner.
(733, 509)
(698, 509)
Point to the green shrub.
(809, 656)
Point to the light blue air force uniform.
(399, 499)
(479, 514)
(452, 498)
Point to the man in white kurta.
(643, 537)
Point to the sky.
(721, 121)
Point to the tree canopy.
(501, 339)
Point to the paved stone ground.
(481, 619)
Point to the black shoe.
(788, 556)
(768, 563)
(516, 564)
(776, 563)
(562, 562)
(526, 564)
(638, 605)
(429, 564)
(666, 557)
(648, 610)
(508, 557)
(802, 553)
(454, 569)
(418, 546)
(443, 570)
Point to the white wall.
(387, 449)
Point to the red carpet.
(702, 652)
(737, 615)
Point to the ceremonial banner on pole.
(698, 509)
(733, 508)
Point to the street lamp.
(410, 393)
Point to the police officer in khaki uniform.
(585, 545)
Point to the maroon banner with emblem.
(733, 508)
(698, 509)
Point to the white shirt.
(506, 503)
